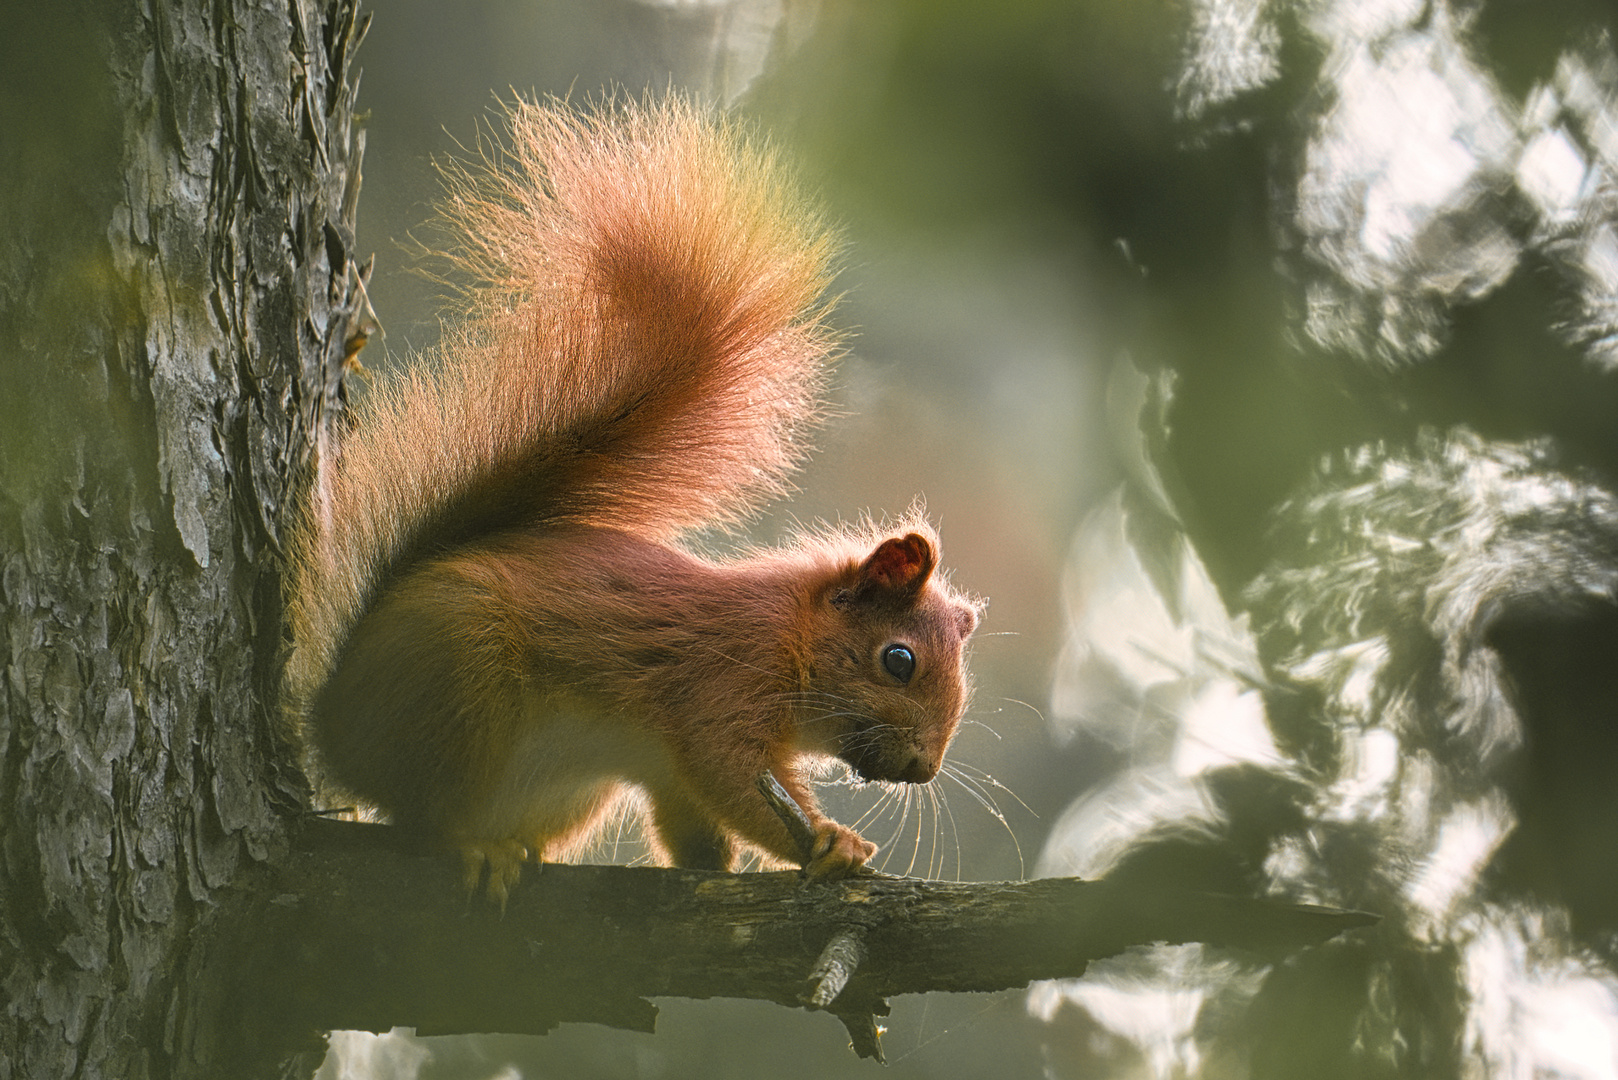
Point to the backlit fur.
(498, 636)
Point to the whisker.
(935, 861)
(981, 777)
(921, 802)
(954, 830)
(989, 805)
(874, 811)
(903, 812)
(1031, 708)
(916, 847)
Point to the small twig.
(838, 961)
(865, 1031)
(845, 951)
(791, 814)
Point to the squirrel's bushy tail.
(643, 347)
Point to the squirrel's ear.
(898, 568)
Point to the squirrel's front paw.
(838, 852)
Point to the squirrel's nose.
(918, 770)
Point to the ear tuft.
(899, 566)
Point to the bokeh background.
(1258, 360)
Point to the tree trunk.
(177, 190)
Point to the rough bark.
(177, 182)
(361, 932)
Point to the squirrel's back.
(643, 348)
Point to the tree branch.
(361, 932)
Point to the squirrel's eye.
(899, 662)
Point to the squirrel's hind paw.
(504, 859)
(838, 852)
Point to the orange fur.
(497, 635)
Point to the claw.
(838, 851)
(504, 859)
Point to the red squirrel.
(498, 636)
